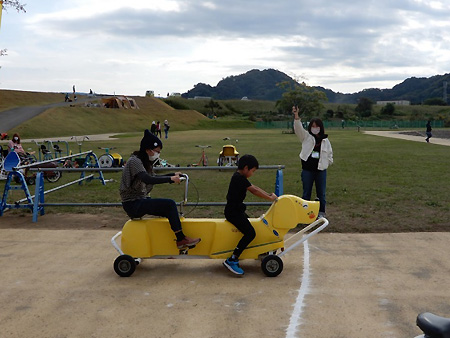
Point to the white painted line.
(294, 322)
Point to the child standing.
(235, 208)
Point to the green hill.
(15, 98)
(255, 85)
(263, 85)
(81, 119)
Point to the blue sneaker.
(233, 266)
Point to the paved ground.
(97, 137)
(60, 283)
(404, 136)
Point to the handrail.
(262, 167)
(49, 161)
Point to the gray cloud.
(385, 37)
(239, 18)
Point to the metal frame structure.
(36, 202)
(39, 203)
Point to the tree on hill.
(435, 101)
(213, 105)
(254, 84)
(364, 107)
(388, 109)
(308, 99)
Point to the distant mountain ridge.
(262, 85)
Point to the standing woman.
(137, 181)
(316, 155)
(166, 128)
(158, 129)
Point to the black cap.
(150, 141)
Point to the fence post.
(279, 183)
(38, 196)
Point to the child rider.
(235, 207)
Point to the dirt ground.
(61, 283)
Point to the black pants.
(163, 207)
(241, 222)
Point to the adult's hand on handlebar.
(176, 179)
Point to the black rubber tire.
(272, 265)
(53, 176)
(124, 265)
(31, 180)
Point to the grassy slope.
(15, 98)
(79, 120)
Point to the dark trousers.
(163, 207)
(241, 222)
(318, 177)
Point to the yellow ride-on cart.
(153, 237)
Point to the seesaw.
(153, 238)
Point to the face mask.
(315, 131)
(16, 138)
(153, 157)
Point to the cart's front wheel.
(272, 265)
(124, 265)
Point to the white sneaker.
(321, 214)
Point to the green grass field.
(376, 184)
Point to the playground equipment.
(30, 159)
(77, 161)
(57, 149)
(15, 173)
(43, 153)
(10, 163)
(228, 156)
(108, 160)
(203, 159)
(3, 154)
(50, 149)
(153, 238)
(39, 200)
(51, 176)
(163, 163)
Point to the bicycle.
(203, 159)
(79, 161)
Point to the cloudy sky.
(128, 47)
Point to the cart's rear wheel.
(272, 265)
(124, 265)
